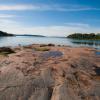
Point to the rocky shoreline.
(49, 72)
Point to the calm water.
(26, 40)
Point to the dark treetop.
(91, 36)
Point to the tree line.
(5, 34)
(90, 36)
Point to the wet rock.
(52, 54)
(6, 50)
(51, 45)
(44, 45)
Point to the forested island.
(85, 36)
(5, 34)
(2, 34)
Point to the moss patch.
(41, 49)
(4, 53)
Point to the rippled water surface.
(26, 40)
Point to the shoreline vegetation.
(85, 36)
(5, 34)
(76, 38)
(79, 36)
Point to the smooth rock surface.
(73, 75)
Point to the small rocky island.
(85, 36)
(49, 72)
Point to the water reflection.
(91, 43)
(26, 40)
(98, 53)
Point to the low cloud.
(7, 16)
(14, 27)
(16, 7)
(78, 24)
(46, 7)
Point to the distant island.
(85, 36)
(5, 34)
(29, 35)
(2, 34)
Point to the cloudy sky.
(49, 17)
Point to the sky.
(50, 17)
